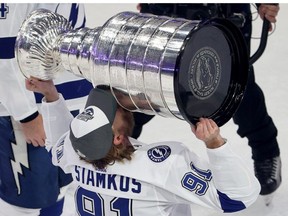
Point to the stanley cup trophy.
(167, 66)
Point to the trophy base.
(212, 72)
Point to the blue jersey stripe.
(71, 90)
(7, 47)
(228, 205)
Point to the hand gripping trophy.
(167, 66)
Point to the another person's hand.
(269, 11)
(34, 131)
(138, 7)
(44, 87)
(208, 131)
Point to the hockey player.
(118, 175)
(29, 183)
(254, 124)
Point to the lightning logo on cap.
(86, 115)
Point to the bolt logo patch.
(204, 73)
(159, 153)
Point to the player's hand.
(208, 131)
(34, 131)
(269, 11)
(44, 87)
(138, 7)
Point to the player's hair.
(121, 151)
(116, 153)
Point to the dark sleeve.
(157, 9)
(140, 119)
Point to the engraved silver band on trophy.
(162, 65)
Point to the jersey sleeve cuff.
(30, 118)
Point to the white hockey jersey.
(15, 100)
(161, 179)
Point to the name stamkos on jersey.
(159, 153)
(60, 148)
(107, 181)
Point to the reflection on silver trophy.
(161, 65)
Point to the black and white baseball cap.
(91, 132)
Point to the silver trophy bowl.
(152, 64)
